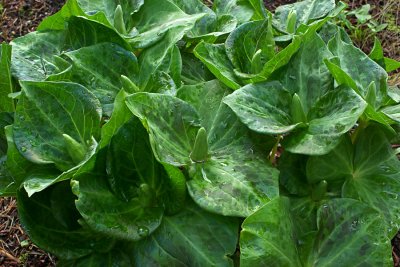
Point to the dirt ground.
(18, 17)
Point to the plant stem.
(274, 150)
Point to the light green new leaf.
(216, 60)
(6, 83)
(51, 219)
(234, 179)
(99, 69)
(348, 233)
(173, 244)
(306, 12)
(48, 110)
(368, 170)
(32, 55)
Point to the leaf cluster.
(146, 133)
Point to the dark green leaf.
(43, 115)
(64, 237)
(368, 171)
(173, 244)
(99, 68)
(6, 83)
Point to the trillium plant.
(170, 133)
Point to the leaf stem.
(274, 150)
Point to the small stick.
(8, 255)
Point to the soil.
(18, 17)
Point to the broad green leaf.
(216, 60)
(113, 258)
(292, 174)
(360, 68)
(211, 25)
(243, 11)
(266, 108)
(110, 215)
(32, 55)
(119, 117)
(99, 69)
(348, 233)
(263, 107)
(171, 122)
(306, 12)
(174, 243)
(235, 179)
(46, 111)
(72, 8)
(6, 83)
(84, 31)
(129, 7)
(51, 219)
(8, 185)
(194, 71)
(368, 171)
(250, 46)
(161, 33)
(170, 18)
(306, 74)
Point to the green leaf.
(193, 70)
(376, 53)
(43, 115)
(153, 28)
(6, 83)
(72, 8)
(172, 125)
(348, 233)
(51, 219)
(32, 56)
(216, 60)
(113, 258)
(306, 74)
(99, 68)
(267, 108)
(210, 26)
(243, 11)
(368, 171)
(246, 41)
(391, 64)
(111, 216)
(84, 31)
(306, 12)
(360, 68)
(263, 107)
(159, 34)
(236, 163)
(174, 244)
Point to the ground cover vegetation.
(139, 140)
